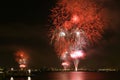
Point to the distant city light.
(12, 69)
(29, 71)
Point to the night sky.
(25, 26)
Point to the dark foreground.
(69, 76)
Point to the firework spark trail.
(77, 23)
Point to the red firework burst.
(77, 23)
(21, 58)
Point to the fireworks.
(77, 24)
(22, 59)
(76, 54)
(65, 65)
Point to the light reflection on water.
(11, 78)
(56, 76)
(69, 76)
(72, 76)
(28, 78)
(61, 76)
(84, 76)
(76, 76)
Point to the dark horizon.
(24, 25)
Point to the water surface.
(71, 76)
